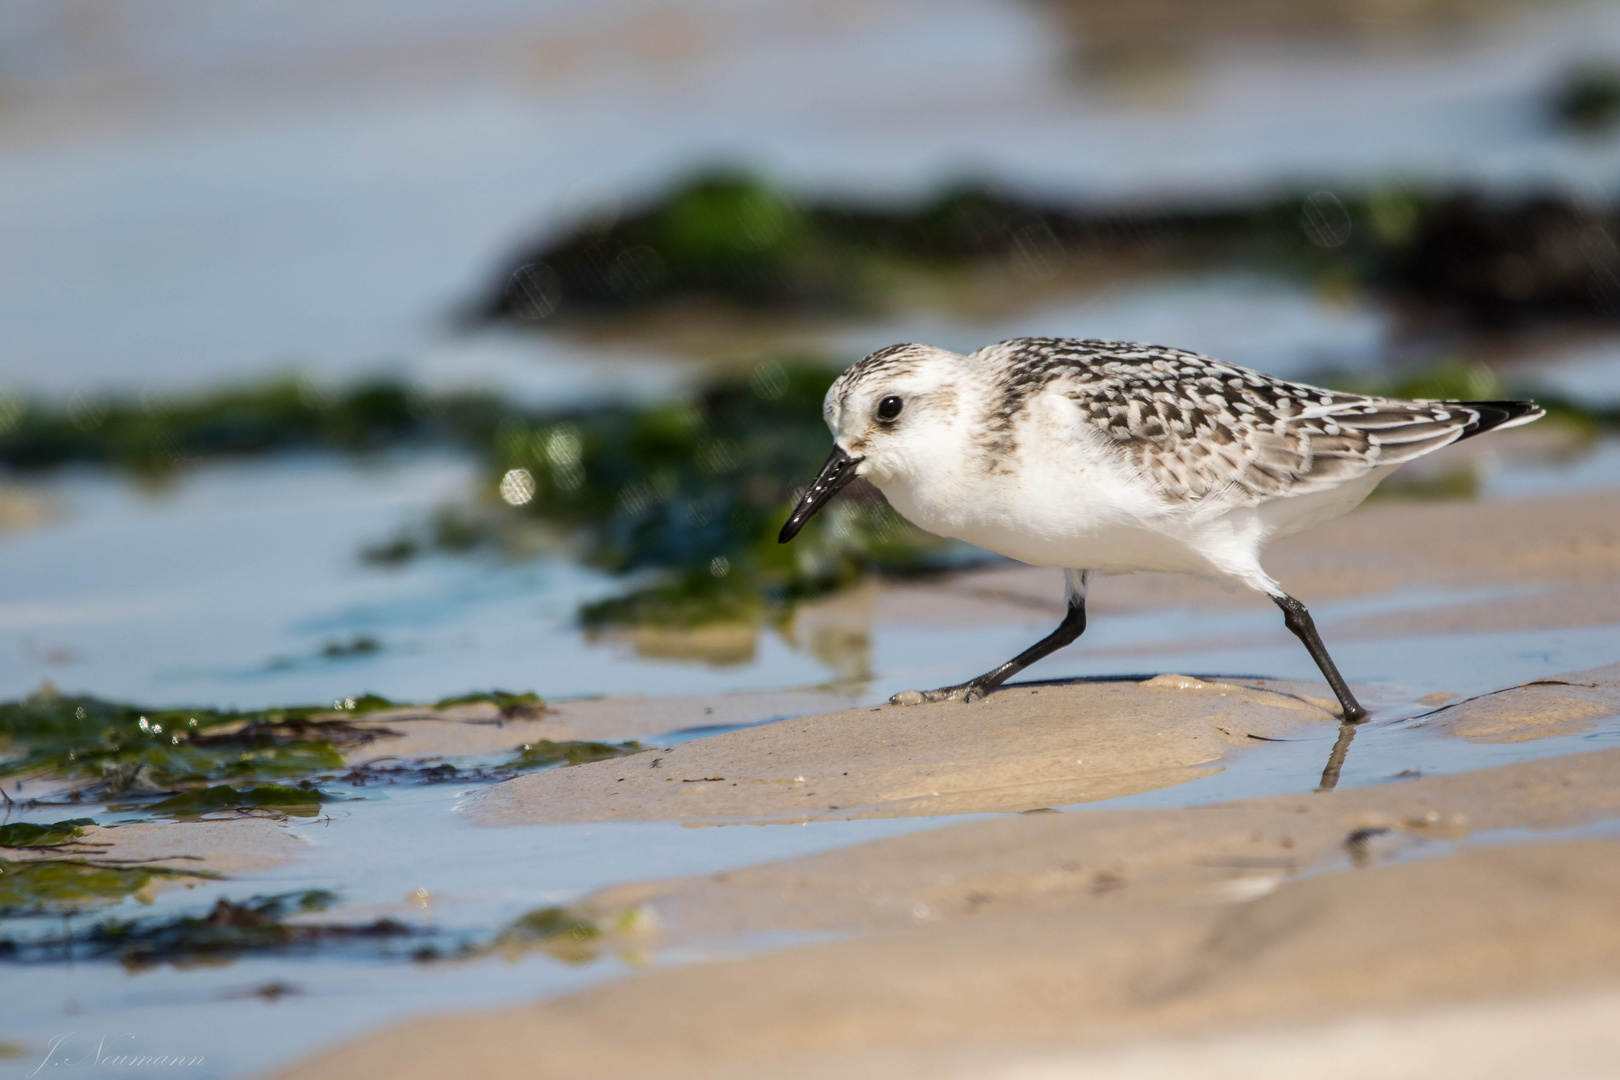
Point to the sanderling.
(1116, 457)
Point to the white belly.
(1053, 518)
(1076, 513)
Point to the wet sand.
(1016, 865)
(995, 983)
(1054, 943)
(1020, 749)
(212, 847)
(1456, 924)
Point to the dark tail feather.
(1497, 414)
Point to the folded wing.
(1209, 433)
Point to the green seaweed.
(191, 762)
(20, 834)
(153, 437)
(229, 929)
(527, 703)
(694, 493)
(142, 750)
(735, 240)
(45, 886)
(572, 935)
(688, 496)
(683, 498)
(543, 924)
(544, 753)
(566, 934)
(302, 801)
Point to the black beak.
(839, 470)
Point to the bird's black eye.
(889, 408)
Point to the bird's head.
(889, 415)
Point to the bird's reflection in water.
(1335, 762)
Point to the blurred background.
(418, 347)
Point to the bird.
(1113, 457)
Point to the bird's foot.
(966, 692)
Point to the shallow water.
(480, 878)
(374, 196)
(225, 588)
(476, 884)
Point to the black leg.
(1072, 626)
(1297, 619)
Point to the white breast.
(1064, 498)
(1061, 499)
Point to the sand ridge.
(1022, 748)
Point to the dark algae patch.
(738, 241)
(543, 753)
(51, 886)
(684, 498)
(302, 801)
(21, 834)
(130, 746)
(152, 437)
(186, 764)
(283, 923)
(689, 496)
(526, 705)
(568, 935)
(232, 929)
(229, 929)
(189, 763)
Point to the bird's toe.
(964, 693)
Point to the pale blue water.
(481, 877)
(196, 193)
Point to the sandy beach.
(406, 675)
(1464, 918)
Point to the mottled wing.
(1206, 432)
